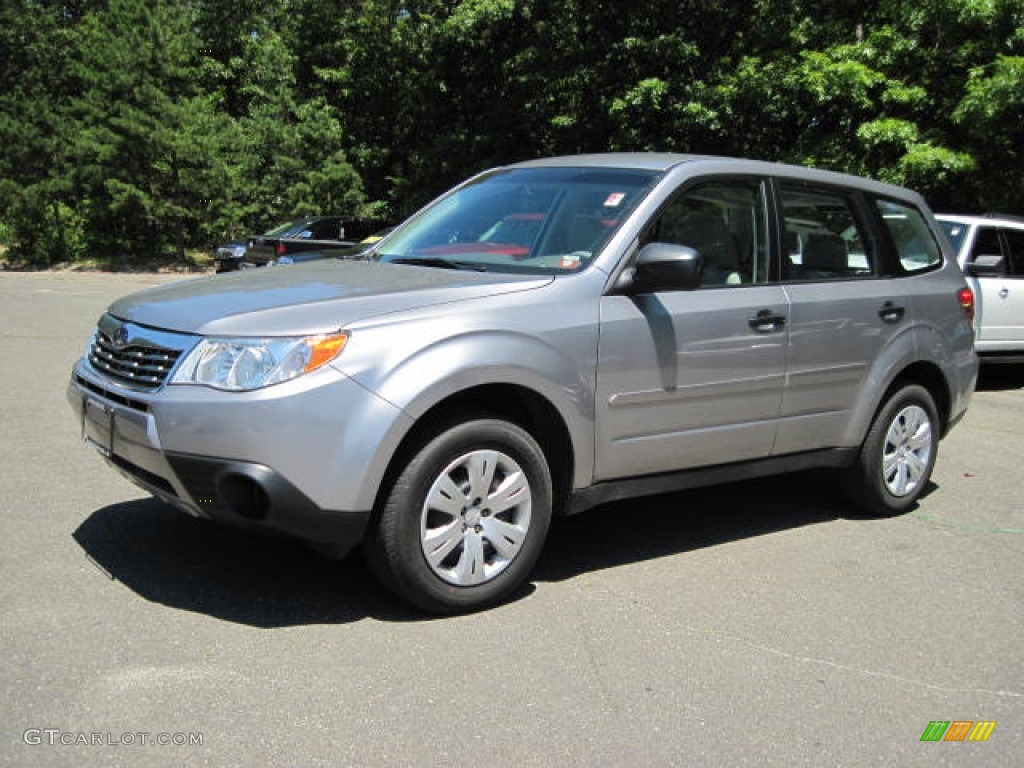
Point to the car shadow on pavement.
(660, 526)
(997, 378)
(169, 558)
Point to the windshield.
(956, 232)
(534, 220)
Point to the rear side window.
(326, 230)
(823, 237)
(915, 244)
(1015, 241)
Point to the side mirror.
(987, 265)
(666, 267)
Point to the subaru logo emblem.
(120, 337)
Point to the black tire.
(474, 573)
(897, 456)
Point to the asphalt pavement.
(755, 624)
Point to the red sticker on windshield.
(569, 262)
(614, 199)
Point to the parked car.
(316, 237)
(990, 249)
(229, 256)
(438, 400)
(360, 250)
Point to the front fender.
(447, 366)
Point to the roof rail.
(1007, 216)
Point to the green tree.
(992, 115)
(293, 160)
(148, 155)
(146, 128)
(38, 214)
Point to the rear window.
(916, 247)
(290, 228)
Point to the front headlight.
(246, 363)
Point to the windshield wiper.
(438, 261)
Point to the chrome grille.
(129, 355)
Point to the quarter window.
(725, 222)
(823, 237)
(915, 245)
(955, 232)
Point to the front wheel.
(897, 456)
(465, 520)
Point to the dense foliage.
(146, 127)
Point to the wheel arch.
(515, 403)
(928, 375)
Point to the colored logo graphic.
(958, 730)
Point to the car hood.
(307, 298)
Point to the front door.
(695, 378)
(1000, 298)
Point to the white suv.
(990, 249)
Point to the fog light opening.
(243, 496)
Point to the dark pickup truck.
(321, 233)
(298, 240)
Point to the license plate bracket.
(98, 425)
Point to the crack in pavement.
(808, 659)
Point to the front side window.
(824, 239)
(531, 220)
(915, 246)
(986, 243)
(725, 222)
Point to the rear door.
(694, 378)
(845, 309)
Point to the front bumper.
(227, 263)
(254, 496)
(267, 462)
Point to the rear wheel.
(466, 518)
(896, 459)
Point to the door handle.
(890, 313)
(767, 321)
(1004, 292)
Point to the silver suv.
(546, 337)
(990, 249)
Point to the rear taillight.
(280, 249)
(966, 299)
